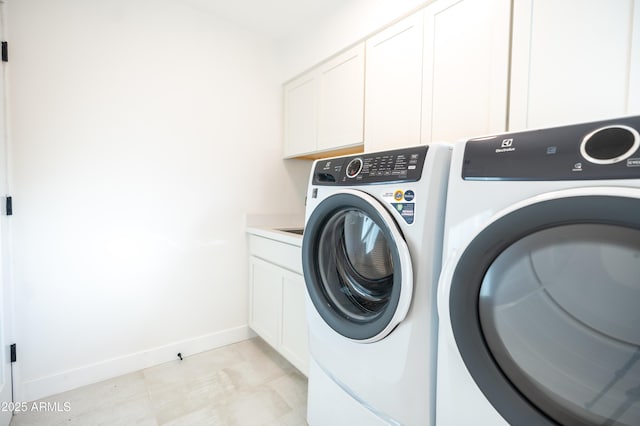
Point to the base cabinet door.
(277, 310)
(295, 336)
(574, 61)
(266, 300)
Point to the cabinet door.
(300, 109)
(295, 336)
(393, 89)
(466, 68)
(341, 100)
(573, 61)
(266, 300)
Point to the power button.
(354, 167)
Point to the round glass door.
(545, 309)
(356, 266)
(560, 310)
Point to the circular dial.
(610, 144)
(354, 167)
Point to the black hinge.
(5, 51)
(9, 206)
(14, 357)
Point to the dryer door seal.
(544, 309)
(357, 266)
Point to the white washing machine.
(539, 298)
(371, 257)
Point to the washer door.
(357, 266)
(545, 309)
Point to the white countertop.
(276, 234)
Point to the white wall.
(142, 133)
(354, 21)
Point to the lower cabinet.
(294, 338)
(265, 316)
(277, 310)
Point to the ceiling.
(276, 19)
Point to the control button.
(633, 162)
(354, 167)
(610, 144)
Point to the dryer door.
(545, 309)
(357, 266)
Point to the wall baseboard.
(43, 387)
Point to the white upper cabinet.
(300, 110)
(466, 69)
(573, 61)
(324, 108)
(393, 88)
(341, 108)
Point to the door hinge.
(5, 51)
(9, 206)
(14, 356)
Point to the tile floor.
(246, 383)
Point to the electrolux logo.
(506, 146)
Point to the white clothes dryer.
(371, 259)
(539, 298)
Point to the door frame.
(6, 296)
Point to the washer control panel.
(402, 165)
(600, 150)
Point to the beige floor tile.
(259, 351)
(109, 395)
(206, 416)
(260, 407)
(33, 418)
(297, 417)
(292, 387)
(247, 383)
(174, 401)
(136, 411)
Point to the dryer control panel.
(401, 165)
(600, 150)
